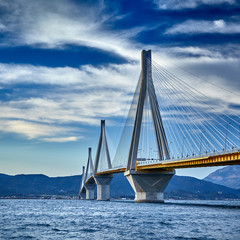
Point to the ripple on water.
(65, 219)
(89, 230)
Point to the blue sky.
(65, 65)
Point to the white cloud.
(112, 76)
(2, 27)
(61, 139)
(219, 23)
(203, 52)
(69, 95)
(194, 27)
(54, 24)
(32, 130)
(176, 4)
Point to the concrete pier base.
(149, 186)
(90, 191)
(103, 187)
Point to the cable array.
(192, 125)
(121, 156)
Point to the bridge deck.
(232, 158)
(110, 171)
(205, 161)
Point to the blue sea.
(81, 219)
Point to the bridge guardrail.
(151, 161)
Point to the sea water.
(81, 219)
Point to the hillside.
(227, 176)
(38, 184)
(179, 188)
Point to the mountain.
(38, 184)
(182, 187)
(227, 176)
(34, 185)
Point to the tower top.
(147, 53)
(102, 122)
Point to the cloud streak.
(202, 26)
(67, 95)
(112, 76)
(61, 139)
(176, 4)
(50, 25)
(33, 130)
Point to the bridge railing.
(112, 170)
(209, 154)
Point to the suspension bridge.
(170, 125)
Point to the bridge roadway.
(216, 159)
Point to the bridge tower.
(90, 184)
(82, 191)
(102, 162)
(148, 186)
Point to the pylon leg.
(90, 191)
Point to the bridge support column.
(103, 187)
(149, 186)
(90, 191)
(82, 195)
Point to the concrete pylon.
(148, 186)
(90, 190)
(89, 182)
(103, 181)
(82, 190)
(103, 187)
(82, 194)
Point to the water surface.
(79, 219)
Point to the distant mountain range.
(38, 184)
(227, 176)
(180, 187)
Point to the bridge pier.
(82, 195)
(90, 191)
(103, 187)
(149, 186)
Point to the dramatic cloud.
(68, 96)
(32, 130)
(196, 27)
(112, 76)
(56, 24)
(176, 4)
(197, 51)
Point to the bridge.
(170, 125)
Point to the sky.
(65, 65)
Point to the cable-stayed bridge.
(170, 125)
